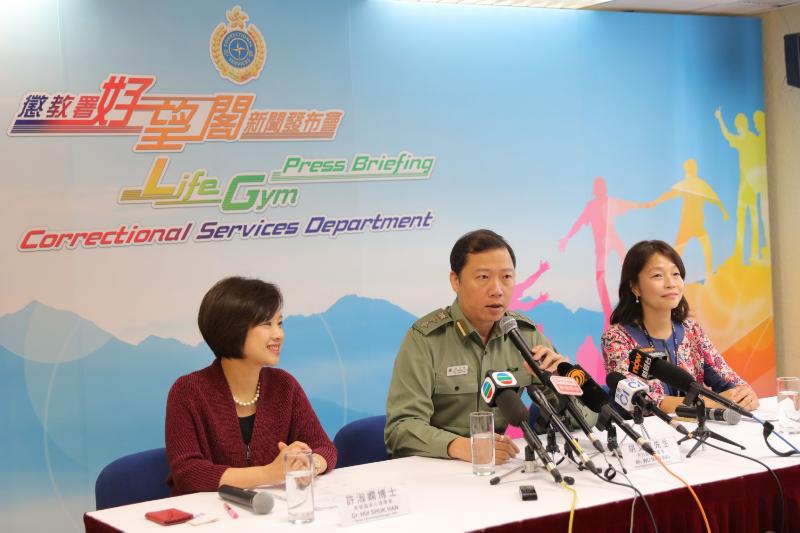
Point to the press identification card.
(372, 504)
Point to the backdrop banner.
(338, 149)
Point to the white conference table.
(444, 495)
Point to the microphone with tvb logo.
(496, 383)
(499, 389)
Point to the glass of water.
(299, 486)
(789, 405)
(481, 434)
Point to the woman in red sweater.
(232, 422)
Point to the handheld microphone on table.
(597, 400)
(630, 393)
(499, 389)
(648, 366)
(258, 502)
(718, 415)
(509, 327)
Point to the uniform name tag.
(458, 370)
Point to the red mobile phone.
(168, 517)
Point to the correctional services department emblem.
(238, 49)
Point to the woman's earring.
(637, 298)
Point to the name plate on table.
(371, 504)
(666, 447)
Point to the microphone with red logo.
(596, 399)
(566, 402)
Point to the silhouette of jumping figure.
(752, 178)
(694, 192)
(519, 291)
(599, 213)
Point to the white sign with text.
(371, 504)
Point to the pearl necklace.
(251, 402)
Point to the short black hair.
(230, 308)
(476, 242)
(627, 310)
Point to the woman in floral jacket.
(653, 313)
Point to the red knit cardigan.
(203, 436)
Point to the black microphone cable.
(637, 492)
(772, 473)
(610, 472)
(608, 476)
(686, 484)
(769, 429)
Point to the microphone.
(648, 366)
(720, 415)
(596, 399)
(515, 412)
(509, 327)
(630, 393)
(549, 415)
(495, 383)
(258, 502)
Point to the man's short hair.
(230, 308)
(476, 242)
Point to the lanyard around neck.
(674, 339)
(669, 389)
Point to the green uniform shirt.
(437, 377)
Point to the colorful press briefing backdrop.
(339, 148)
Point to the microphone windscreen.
(731, 417)
(612, 380)
(263, 503)
(593, 396)
(672, 375)
(563, 368)
(258, 502)
(507, 323)
(512, 407)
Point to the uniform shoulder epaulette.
(432, 321)
(522, 320)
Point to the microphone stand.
(527, 467)
(569, 441)
(768, 428)
(701, 434)
(552, 443)
(612, 442)
(638, 420)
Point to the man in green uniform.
(446, 354)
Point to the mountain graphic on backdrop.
(88, 397)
